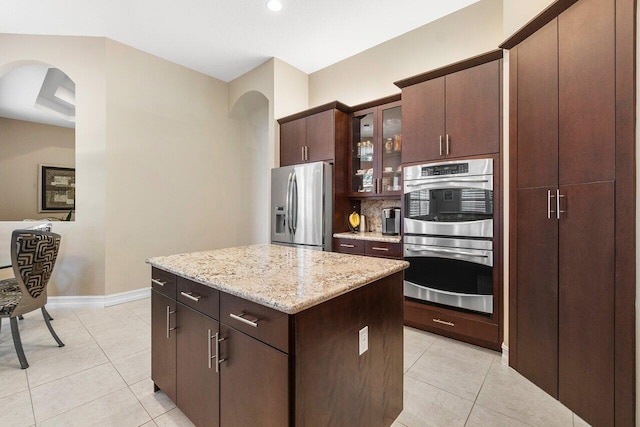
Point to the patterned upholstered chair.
(33, 255)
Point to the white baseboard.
(99, 300)
(505, 354)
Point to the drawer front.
(163, 282)
(383, 249)
(266, 324)
(202, 298)
(349, 246)
(416, 313)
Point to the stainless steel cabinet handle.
(192, 297)
(444, 322)
(241, 318)
(158, 282)
(209, 339)
(217, 356)
(549, 197)
(558, 197)
(376, 248)
(169, 313)
(441, 145)
(447, 144)
(306, 152)
(302, 153)
(344, 245)
(447, 179)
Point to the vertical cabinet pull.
(440, 145)
(558, 197)
(549, 210)
(306, 152)
(216, 338)
(302, 152)
(447, 145)
(169, 329)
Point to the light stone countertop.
(369, 235)
(284, 278)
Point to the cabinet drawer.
(266, 324)
(383, 249)
(349, 246)
(449, 323)
(202, 298)
(163, 282)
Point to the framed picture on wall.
(56, 188)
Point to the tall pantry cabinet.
(572, 171)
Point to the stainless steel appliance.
(448, 232)
(301, 205)
(390, 221)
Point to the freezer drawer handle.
(240, 317)
(444, 322)
(158, 282)
(190, 295)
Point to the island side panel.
(334, 384)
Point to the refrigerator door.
(281, 182)
(308, 204)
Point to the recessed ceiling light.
(274, 5)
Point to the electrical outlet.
(363, 339)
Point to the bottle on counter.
(363, 224)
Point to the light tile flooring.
(102, 378)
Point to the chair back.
(33, 255)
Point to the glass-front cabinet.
(376, 151)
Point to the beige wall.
(517, 13)
(24, 146)
(370, 75)
(174, 161)
(80, 269)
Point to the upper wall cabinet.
(376, 148)
(454, 111)
(310, 136)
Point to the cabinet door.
(537, 296)
(390, 171)
(198, 381)
(538, 109)
(320, 136)
(586, 37)
(473, 111)
(586, 301)
(423, 121)
(293, 138)
(163, 344)
(364, 152)
(254, 382)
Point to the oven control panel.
(448, 169)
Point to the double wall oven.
(448, 233)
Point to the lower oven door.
(456, 277)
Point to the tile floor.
(102, 378)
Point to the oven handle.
(445, 179)
(448, 251)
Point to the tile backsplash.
(372, 209)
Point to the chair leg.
(47, 313)
(53, 333)
(15, 333)
(21, 317)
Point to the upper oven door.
(449, 199)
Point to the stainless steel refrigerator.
(302, 205)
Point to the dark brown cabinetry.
(313, 135)
(568, 327)
(376, 150)
(368, 248)
(453, 111)
(240, 369)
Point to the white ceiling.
(226, 38)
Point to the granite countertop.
(284, 278)
(374, 236)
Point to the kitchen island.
(279, 336)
